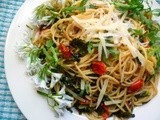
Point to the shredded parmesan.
(102, 92)
(109, 24)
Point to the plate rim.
(5, 56)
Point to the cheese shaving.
(109, 24)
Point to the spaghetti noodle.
(98, 54)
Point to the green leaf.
(81, 45)
(142, 94)
(48, 56)
(83, 2)
(42, 93)
(43, 72)
(145, 20)
(156, 12)
(114, 52)
(72, 9)
(49, 43)
(132, 5)
(156, 52)
(40, 11)
(88, 88)
(89, 47)
(92, 6)
(135, 32)
(34, 54)
(46, 13)
(55, 54)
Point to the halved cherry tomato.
(86, 102)
(105, 115)
(136, 86)
(65, 51)
(99, 67)
(105, 107)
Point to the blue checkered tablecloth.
(8, 108)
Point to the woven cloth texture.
(8, 107)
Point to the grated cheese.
(109, 25)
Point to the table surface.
(8, 107)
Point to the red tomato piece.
(99, 67)
(105, 115)
(65, 51)
(136, 86)
(86, 102)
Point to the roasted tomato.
(65, 51)
(136, 86)
(99, 67)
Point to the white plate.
(32, 105)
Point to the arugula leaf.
(156, 12)
(83, 2)
(156, 52)
(49, 43)
(72, 9)
(46, 14)
(142, 94)
(89, 47)
(92, 6)
(124, 114)
(34, 54)
(135, 32)
(83, 48)
(132, 5)
(54, 54)
(43, 72)
(135, 9)
(48, 56)
(114, 52)
(50, 59)
(145, 20)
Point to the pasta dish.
(99, 56)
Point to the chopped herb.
(49, 43)
(42, 93)
(145, 20)
(72, 9)
(156, 12)
(92, 6)
(76, 57)
(46, 13)
(82, 46)
(155, 51)
(33, 54)
(43, 72)
(114, 52)
(89, 47)
(68, 80)
(76, 43)
(130, 5)
(83, 2)
(124, 114)
(136, 32)
(83, 108)
(48, 56)
(142, 94)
